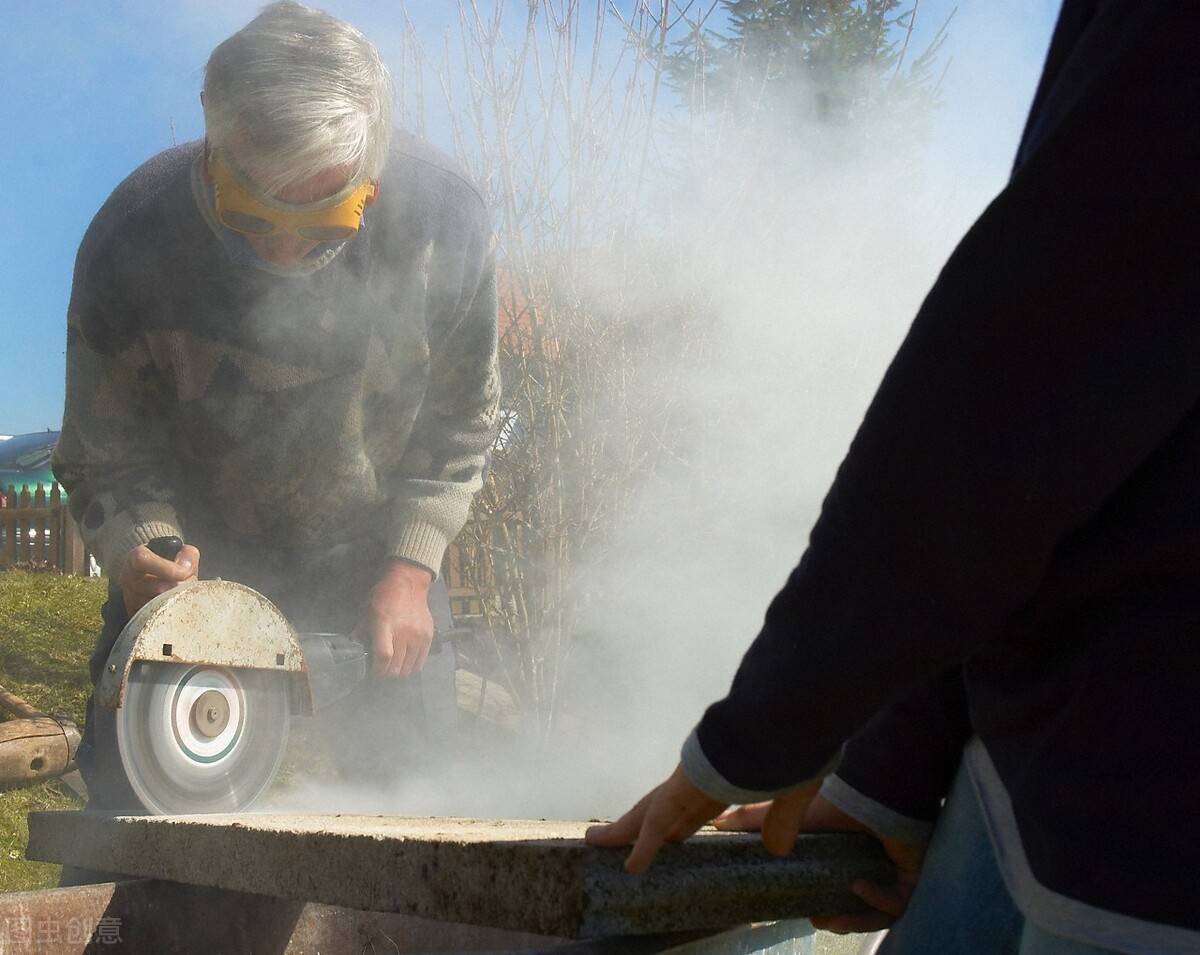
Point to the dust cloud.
(810, 273)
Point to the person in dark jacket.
(1000, 600)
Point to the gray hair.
(295, 92)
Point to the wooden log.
(34, 746)
(34, 750)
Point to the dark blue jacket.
(1011, 547)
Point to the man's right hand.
(887, 902)
(144, 575)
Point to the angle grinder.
(199, 689)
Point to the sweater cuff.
(126, 530)
(884, 822)
(421, 543)
(705, 777)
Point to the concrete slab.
(525, 876)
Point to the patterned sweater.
(216, 400)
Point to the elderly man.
(282, 349)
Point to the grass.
(47, 627)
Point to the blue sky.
(88, 93)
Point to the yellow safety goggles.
(327, 220)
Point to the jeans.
(961, 905)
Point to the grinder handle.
(167, 548)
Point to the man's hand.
(144, 575)
(820, 815)
(669, 813)
(398, 622)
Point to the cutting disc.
(196, 738)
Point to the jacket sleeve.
(113, 456)
(443, 464)
(1057, 349)
(894, 773)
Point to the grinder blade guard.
(195, 699)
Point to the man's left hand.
(668, 813)
(676, 809)
(398, 622)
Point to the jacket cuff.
(877, 817)
(421, 543)
(705, 777)
(126, 530)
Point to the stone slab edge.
(557, 887)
